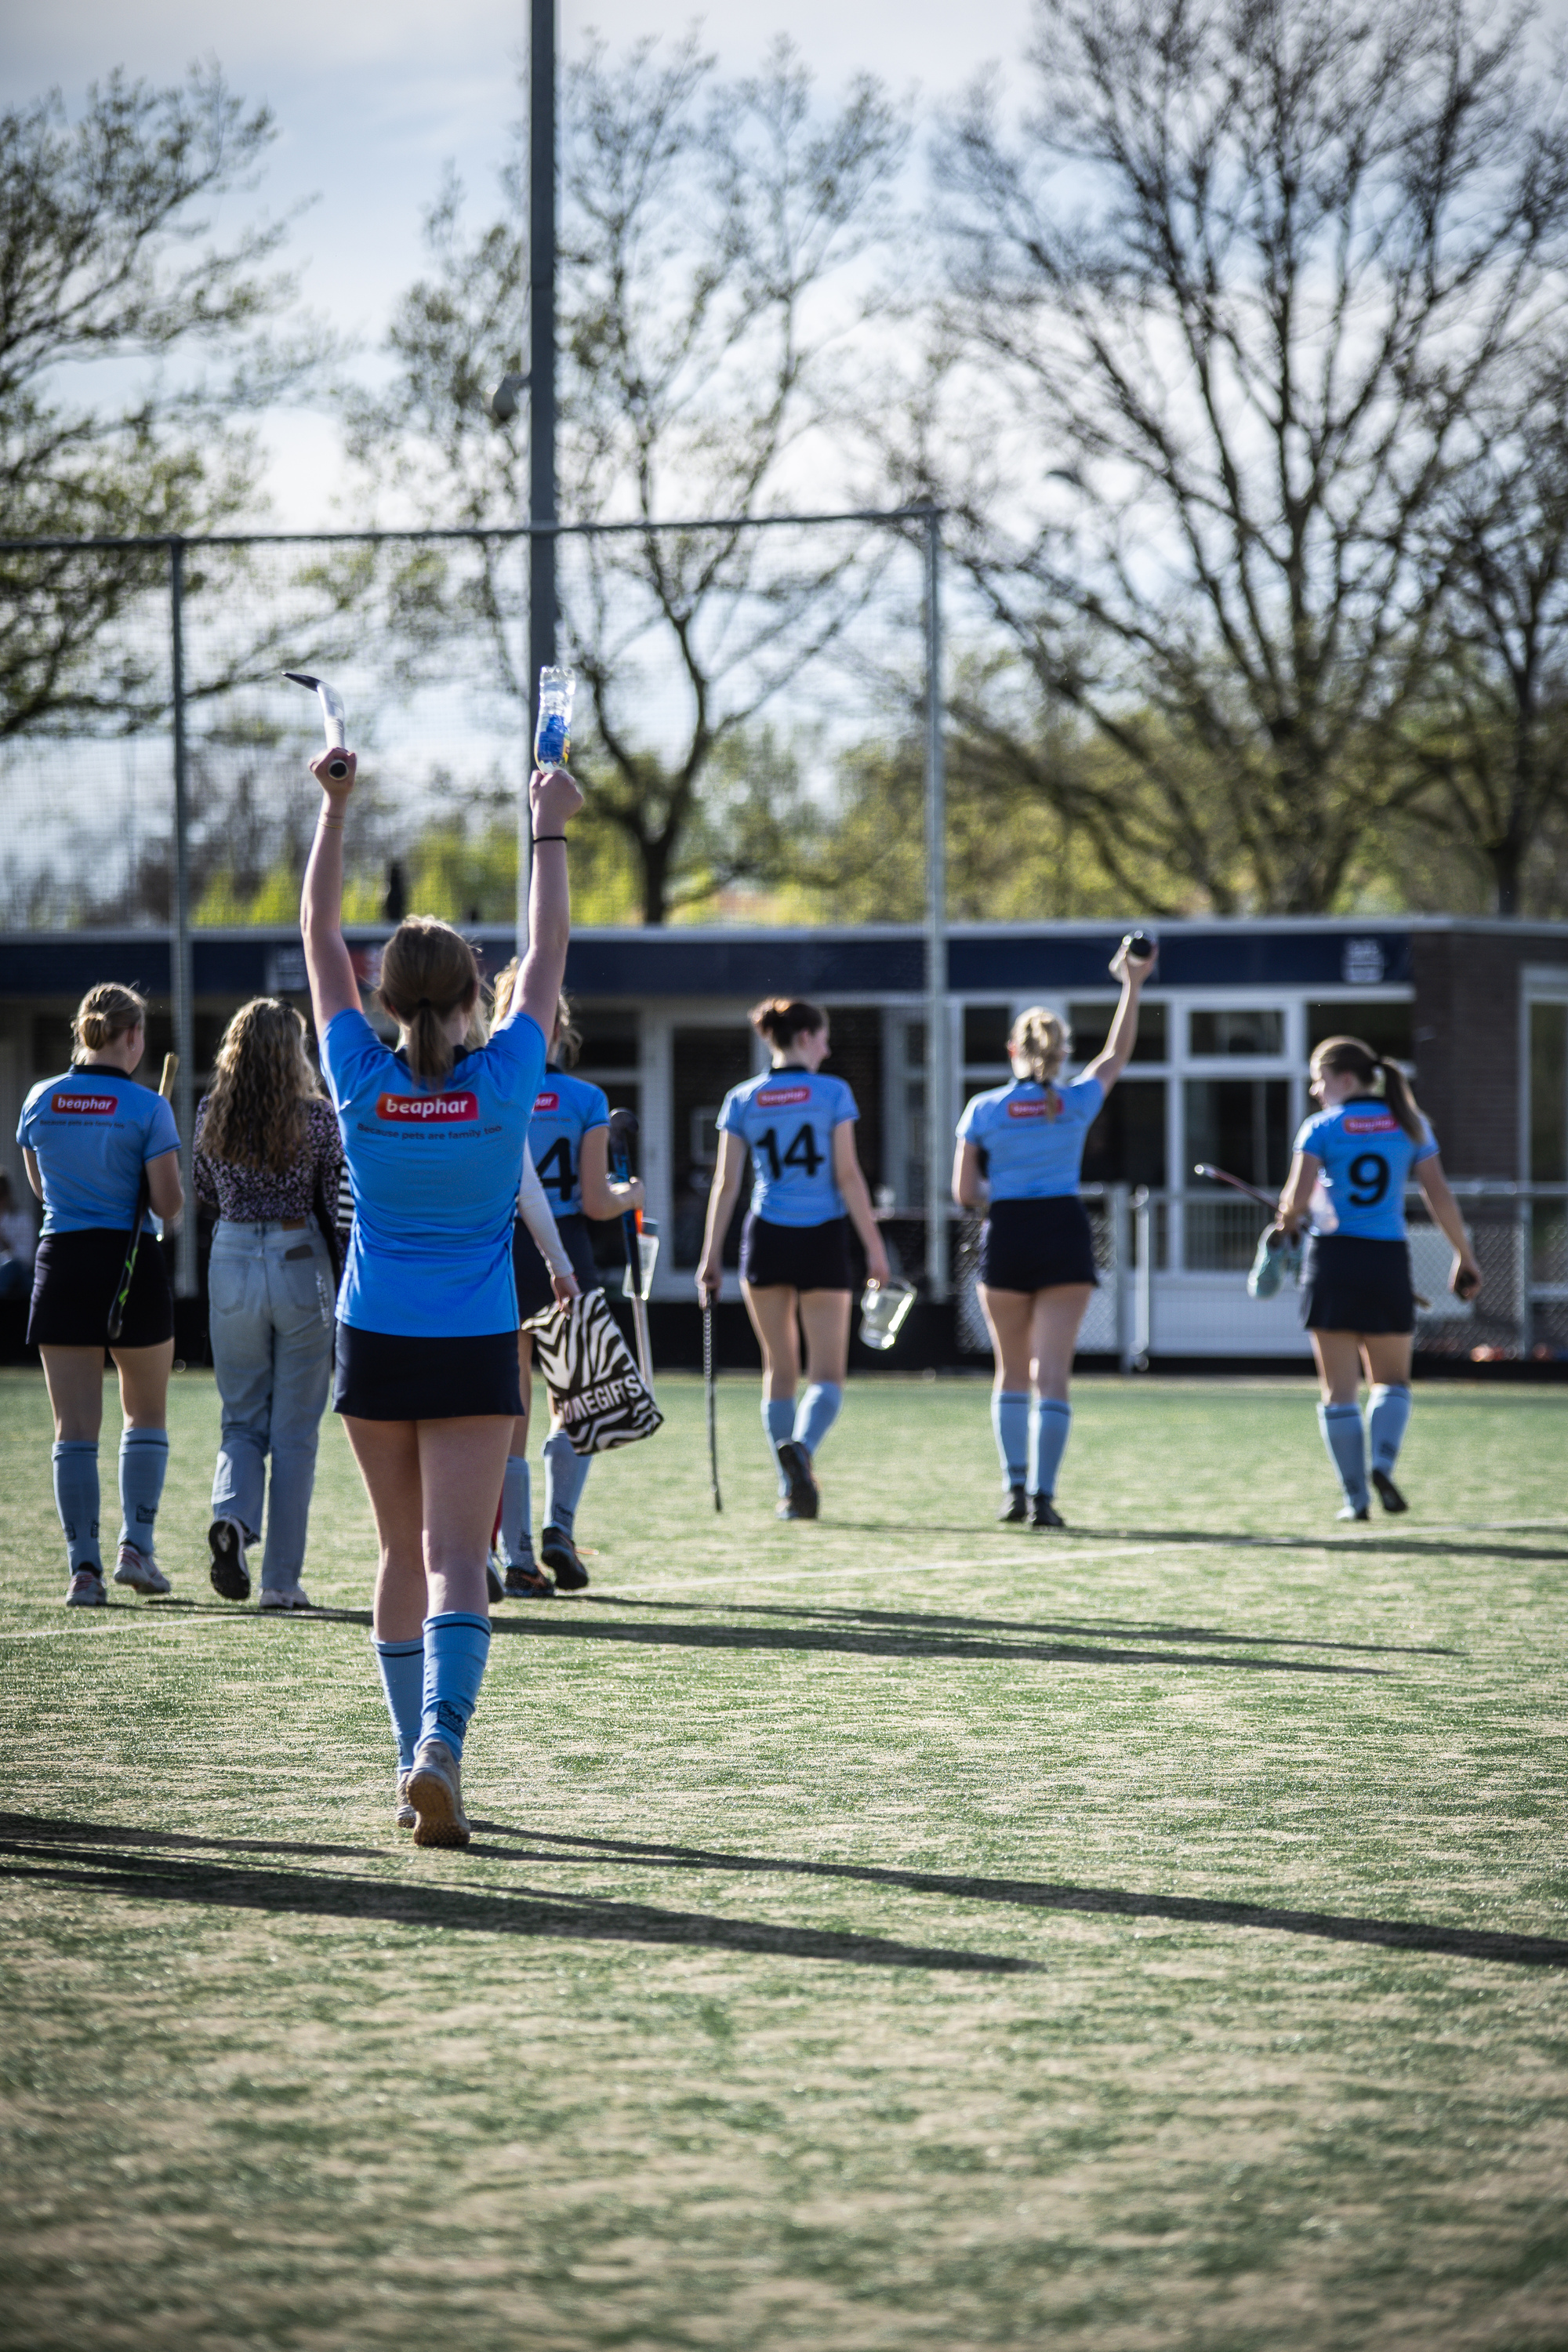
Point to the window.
(610, 1040)
(1241, 1125)
(1387, 1028)
(1090, 1026)
(1549, 1091)
(985, 1032)
(1126, 1145)
(1248, 1032)
(706, 1063)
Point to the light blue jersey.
(787, 1118)
(1367, 1158)
(1029, 1155)
(92, 1132)
(433, 1173)
(564, 1109)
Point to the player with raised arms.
(569, 1144)
(798, 1125)
(425, 1372)
(1022, 1144)
(1353, 1160)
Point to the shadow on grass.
(1070, 1538)
(547, 1621)
(147, 1864)
(161, 1877)
(1092, 1628)
(1397, 1934)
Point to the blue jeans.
(270, 1305)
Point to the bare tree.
(710, 244)
(1223, 316)
(107, 253)
(1493, 746)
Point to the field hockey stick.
(623, 1127)
(710, 1387)
(143, 1201)
(1218, 1176)
(335, 718)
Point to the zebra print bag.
(594, 1387)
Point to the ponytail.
(428, 972)
(1041, 1037)
(1352, 1057)
(782, 1019)
(106, 1012)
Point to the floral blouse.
(254, 1195)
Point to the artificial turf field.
(894, 1932)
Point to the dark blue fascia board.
(1005, 963)
(635, 965)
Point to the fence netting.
(751, 695)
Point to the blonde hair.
(1353, 1058)
(106, 1012)
(427, 972)
(255, 1115)
(566, 1043)
(1041, 1038)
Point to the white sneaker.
(284, 1596)
(86, 1591)
(436, 1792)
(140, 1570)
(404, 1813)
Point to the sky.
(373, 97)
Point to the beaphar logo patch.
(781, 1097)
(427, 1110)
(1028, 1110)
(1381, 1122)
(546, 1102)
(99, 1104)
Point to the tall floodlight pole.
(939, 1106)
(180, 974)
(541, 393)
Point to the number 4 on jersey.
(554, 1171)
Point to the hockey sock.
(1387, 1419)
(565, 1475)
(517, 1513)
(76, 1500)
(143, 1458)
(456, 1648)
(819, 1409)
(1342, 1435)
(1010, 1421)
(778, 1420)
(402, 1665)
(1050, 1420)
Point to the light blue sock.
(456, 1648)
(1050, 1420)
(1010, 1421)
(1344, 1437)
(819, 1409)
(1387, 1419)
(143, 1458)
(517, 1513)
(76, 1500)
(402, 1668)
(565, 1475)
(778, 1420)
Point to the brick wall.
(1467, 1010)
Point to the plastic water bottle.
(553, 735)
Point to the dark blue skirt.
(1037, 1245)
(796, 1257)
(1352, 1283)
(387, 1376)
